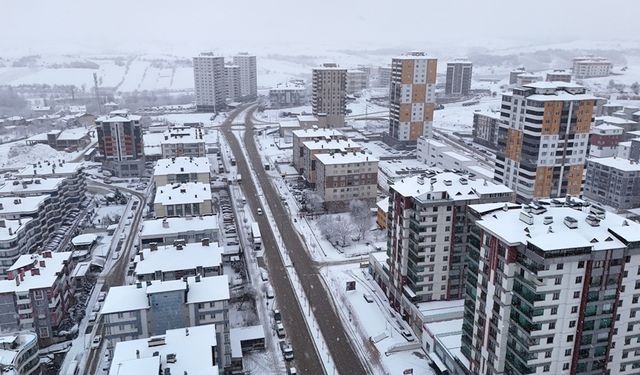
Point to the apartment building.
(20, 353)
(63, 140)
(173, 262)
(543, 139)
(427, 237)
(186, 199)
(209, 82)
(551, 289)
(526, 78)
(191, 350)
(412, 96)
(357, 80)
(559, 75)
(304, 135)
(384, 76)
(120, 143)
(329, 93)
(604, 140)
(248, 74)
(345, 177)
(182, 169)
(485, 129)
(183, 141)
(591, 66)
(290, 94)
(513, 75)
(311, 150)
(232, 77)
(168, 230)
(458, 80)
(16, 238)
(151, 308)
(37, 294)
(613, 182)
(439, 155)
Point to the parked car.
(102, 296)
(93, 317)
(287, 351)
(269, 292)
(259, 211)
(280, 330)
(368, 298)
(407, 335)
(96, 342)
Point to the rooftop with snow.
(11, 229)
(50, 168)
(180, 351)
(181, 134)
(182, 164)
(317, 133)
(345, 158)
(190, 192)
(617, 163)
(331, 144)
(34, 271)
(31, 186)
(135, 297)
(119, 115)
(555, 228)
(456, 186)
(177, 225)
(170, 258)
(10, 206)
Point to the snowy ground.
(18, 154)
(457, 118)
(366, 320)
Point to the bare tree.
(361, 217)
(343, 229)
(313, 201)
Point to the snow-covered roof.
(182, 164)
(414, 55)
(402, 167)
(239, 334)
(11, 229)
(383, 204)
(617, 163)
(613, 120)
(168, 258)
(22, 205)
(31, 186)
(306, 118)
(317, 133)
(192, 347)
(50, 168)
(178, 225)
(434, 309)
(556, 235)
(74, 134)
(84, 239)
(190, 192)
(119, 115)
(457, 156)
(331, 144)
(558, 85)
(12, 345)
(135, 297)
(432, 142)
(180, 135)
(346, 158)
(45, 276)
(457, 187)
(607, 127)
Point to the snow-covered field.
(18, 154)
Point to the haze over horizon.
(146, 26)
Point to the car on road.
(96, 307)
(407, 335)
(280, 330)
(292, 371)
(259, 211)
(269, 292)
(102, 296)
(95, 343)
(277, 316)
(93, 317)
(287, 351)
(264, 275)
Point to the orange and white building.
(543, 139)
(412, 96)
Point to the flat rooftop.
(317, 133)
(192, 347)
(180, 135)
(31, 186)
(135, 297)
(176, 225)
(190, 192)
(12, 229)
(507, 224)
(617, 163)
(456, 186)
(50, 168)
(331, 144)
(347, 158)
(21, 205)
(169, 258)
(182, 164)
(44, 276)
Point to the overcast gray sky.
(37, 26)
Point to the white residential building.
(209, 82)
(188, 199)
(182, 169)
(173, 262)
(329, 93)
(19, 354)
(167, 230)
(248, 74)
(591, 66)
(183, 141)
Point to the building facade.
(329, 93)
(559, 75)
(604, 140)
(20, 354)
(186, 199)
(290, 94)
(591, 66)
(188, 229)
(299, 137)
(248, 74)
(551, 290)
(183, 141)
(485, 129)
(427, 237)
(345, 177)
(233, 83)
(411, 96)
(458, 81)
(182, 169)
(543, 139)
(357, 80)
(209, 82)
(613, 182)
(120, 143)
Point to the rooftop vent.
(526, 218)
(593, 221)
(570, 222)
(171, 358)
(548, 220)
(447, 182)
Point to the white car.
(95, 343)
(407, 335)
(259, 211)
(93, 317)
